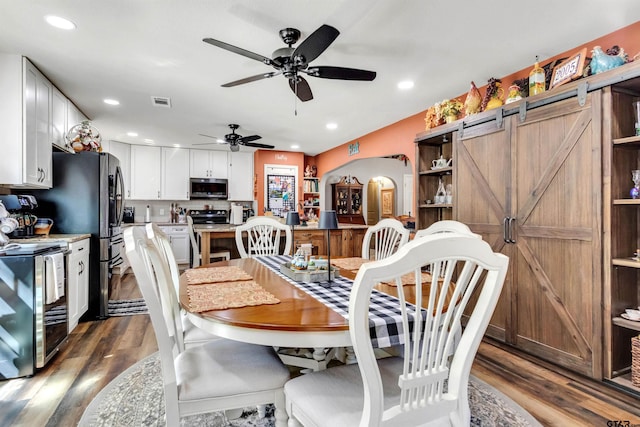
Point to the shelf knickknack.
(84, 137)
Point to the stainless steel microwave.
(209, 188)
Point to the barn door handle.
(505, 232)
(511, 222)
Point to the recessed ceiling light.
(295, 146)
(58, 22)
(132, 134)
(112, 101)
(406, 84)
(176, 145)
(220, 141)
(332, 126)
(148, 141)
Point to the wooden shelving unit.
(311, 195)
(622, 288)
(430, 146)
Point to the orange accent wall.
(269, 157)
(398, 137)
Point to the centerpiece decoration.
(84, 137)
(449, 109)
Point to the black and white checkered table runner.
(385, 319)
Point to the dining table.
(307, 315)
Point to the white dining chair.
(263, 237)
(191, 334)
(387, 235)
(219, 375)
(196, 256)
(426, 385)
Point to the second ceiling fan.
(234, 140)
(292, 62)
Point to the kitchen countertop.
(161, 223)
(68, 238)
(222, 228)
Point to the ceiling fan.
(234, 140)
(292, 62)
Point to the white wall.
(364, 170)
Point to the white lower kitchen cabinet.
(179, 238)
(78, 282)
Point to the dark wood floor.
(98, 351)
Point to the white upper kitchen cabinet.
(175, 174)
(58, 119)
(241, 176)
(25, 128)
(74, 115)
(208, 164)
(123, 152)
(145, 172)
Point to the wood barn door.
(533, 190)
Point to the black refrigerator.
(88, 197)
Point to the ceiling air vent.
(160, 101)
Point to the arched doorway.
(381, 199)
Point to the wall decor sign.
(354, 148)
(568, 70)
(280, 157)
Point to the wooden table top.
(296, 312)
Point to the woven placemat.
(409, 279)
(353, 263)
(215, 275)
(220, 296)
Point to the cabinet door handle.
(505, 232)
(511, 222)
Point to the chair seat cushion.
(225, 368)
(335, 396)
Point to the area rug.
(127, 307)
(135, 398)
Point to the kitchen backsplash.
(160, 208)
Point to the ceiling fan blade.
(251, 79)
(238, 50)
(340, 73)
(249, 138)
(316, 43)
(256, 145)
(303, 91)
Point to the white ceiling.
(133, 50)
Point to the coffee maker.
(21, 208)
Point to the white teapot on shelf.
(441, 163)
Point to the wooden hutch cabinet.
(347, 200)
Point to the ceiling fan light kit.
(292, 62)
(235, 140)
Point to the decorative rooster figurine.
(601, 62)
(472, 101)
